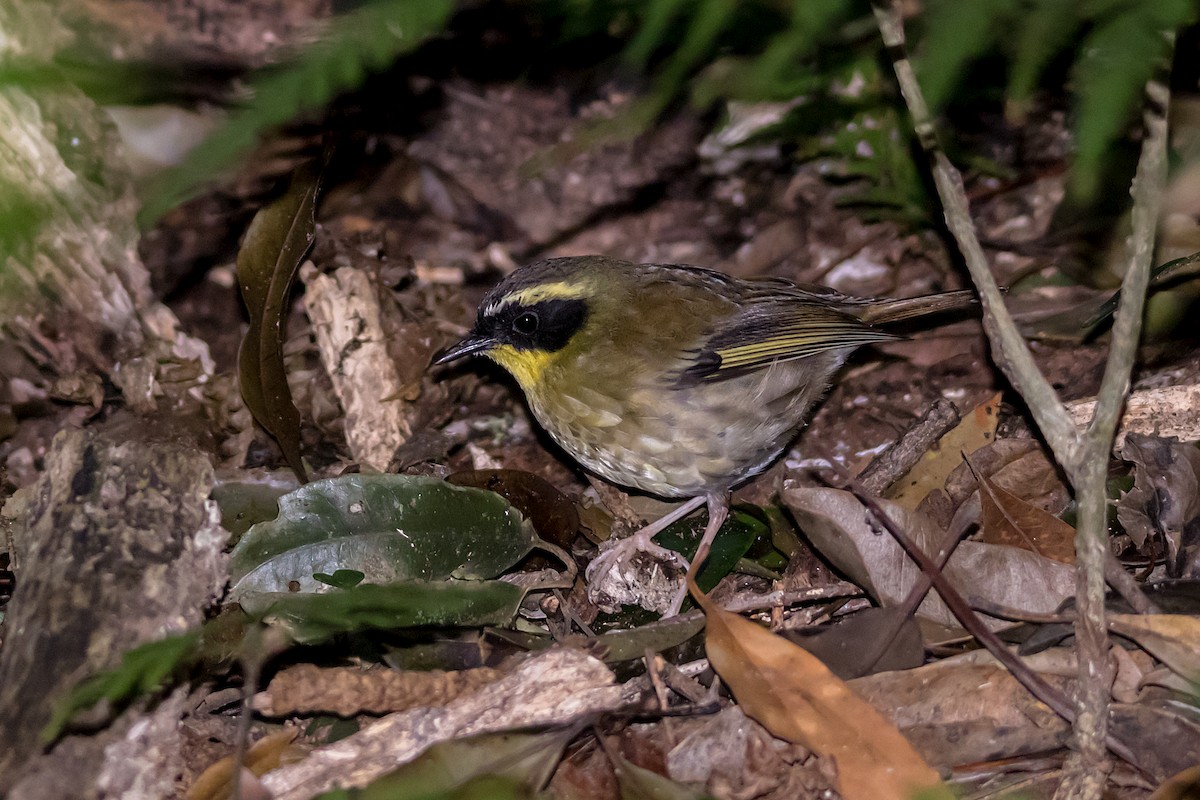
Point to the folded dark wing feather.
(766, 333)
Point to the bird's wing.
(765, 333)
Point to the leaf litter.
(448, 216)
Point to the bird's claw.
(623, 575)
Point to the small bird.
(677, 381)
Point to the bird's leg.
(718, 512)
(641, 541)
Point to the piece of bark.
(347, 321)
(74, 295)
(894, 463)
(346, 691)
(115, 545)
(1166, 411)
(557, 686)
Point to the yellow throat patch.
(527, 366)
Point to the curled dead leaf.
(797, 698)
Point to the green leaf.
(244, 503)
(1118, 57)
(631, 644)
(276, 242)
(341, 579)
(304, 618)
(732, 542)
(389, 527)
(368, 39)
(957, 33)
(1044, 32)
(493, 766)
(143, 670)
(313, 618)
(653, 31)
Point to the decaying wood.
(558, 686)
(116, 544)
(74, 295)
(347, 322)
(1166, 411)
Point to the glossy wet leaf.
(244, 503)
(495, 766)
(341, 579)
(311, 618)
(734, 539)
(389, 527)
(274, 246)
(794, 696)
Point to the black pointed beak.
(473, 344)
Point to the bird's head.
(537, 314)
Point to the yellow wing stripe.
(796, 345)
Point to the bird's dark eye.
(526, 324)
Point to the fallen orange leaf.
(794, 696)
(977, 428)
(216, 782)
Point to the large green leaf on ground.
(497, 766)
(312, 618)
(389, 527)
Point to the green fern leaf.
(368, 39)
(957, 33)
(1118, 57)
(1045, 32)
(653, 31)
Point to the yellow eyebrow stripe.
(545, 291)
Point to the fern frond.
(358, 43)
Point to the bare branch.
(1009, 350)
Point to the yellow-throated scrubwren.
(678, 381)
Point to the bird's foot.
(636, 571)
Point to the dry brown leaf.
(837, 525)
(798, 699)
(216, 782)
(1173, 639)
(1184, 786)
(1165, 498)
(1019, 466)
(978, 428)
(959, 711)
(1009, 520)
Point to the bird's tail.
(884, 311)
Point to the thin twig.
(958, 606)
(892, 464)
(1009, 351)
(1083, 457)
